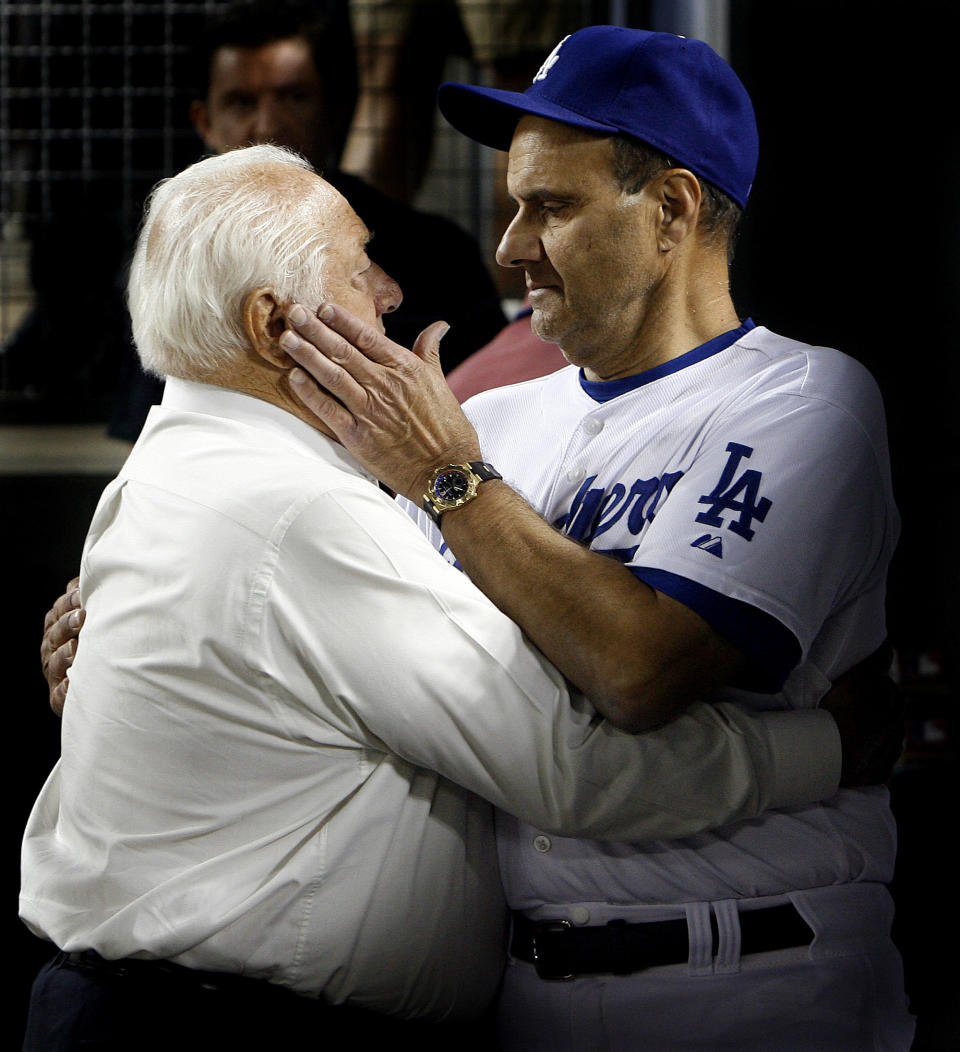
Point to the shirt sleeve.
(400, 652)
(783, 516)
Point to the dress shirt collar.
(189, 396)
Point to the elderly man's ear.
(264, 324)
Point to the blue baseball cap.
(673, 93)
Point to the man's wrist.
(453, 485)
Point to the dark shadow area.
(44, 522)
(852, 240)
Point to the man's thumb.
(427, 344)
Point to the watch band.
(454, 485)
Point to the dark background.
(852, 240)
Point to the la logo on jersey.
(741, 496)
(550, 62)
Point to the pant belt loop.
(701, 938)
(728, 930)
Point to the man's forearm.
(640, 656)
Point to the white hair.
(212, 234)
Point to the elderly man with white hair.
(289, 716)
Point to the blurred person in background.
(403, 47)
(284, 72)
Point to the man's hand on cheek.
(391, 407)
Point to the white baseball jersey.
(748, 479)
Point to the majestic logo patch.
(709, 543)
(550, 61)
(741, 496)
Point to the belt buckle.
(548, 951)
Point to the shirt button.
(541, 843)
(593, 426)
(576, 474)
(579, 915)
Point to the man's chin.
(551, 330)
(545, 325)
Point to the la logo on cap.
(550, 61)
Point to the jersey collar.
(605, 390)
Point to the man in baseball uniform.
(695, 508)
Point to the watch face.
(451, 486)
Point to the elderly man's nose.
(386, 294)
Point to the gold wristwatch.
(454, 485)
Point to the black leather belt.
(559, 949)
(152, 970)
(244, 1005)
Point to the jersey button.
(593, 426)
(541, 843)
(576, 474)
(579, 915)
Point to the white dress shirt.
(285, 710)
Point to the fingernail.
(297, 376)
(75, 597)
(325, 313)
(443, 333)
(297, 315)
(288, 340)
(75, 619)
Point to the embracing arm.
(743, 763)
(641, 656)
(443, 679)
